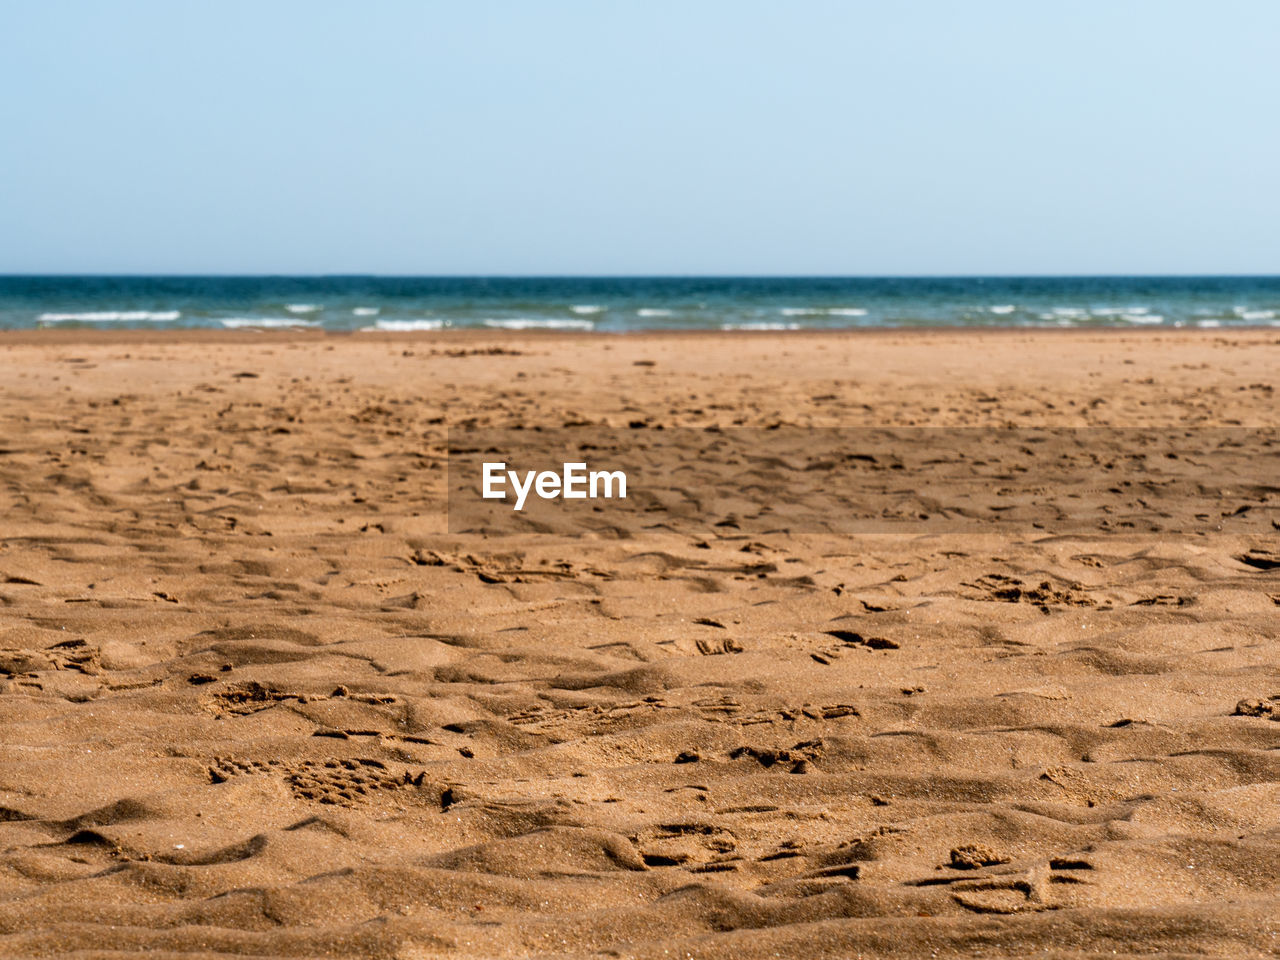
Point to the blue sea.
(620, 304)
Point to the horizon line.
(647, 276)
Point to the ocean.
(621, 304)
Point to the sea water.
(621, 304)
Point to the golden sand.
(255, 700)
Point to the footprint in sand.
(849, 640)
(698, 847)
(333, 782)
(1263, 707)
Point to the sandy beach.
(257, 700)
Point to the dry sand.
(257, 701)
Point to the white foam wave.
(1125, 312)
(760, 326)
(112, 316)
(1002, 308)
(1256, 314)
(527, 323)
(366, 311)
(1208, 323)
(302, 307)
(1066, 316)
(823, 312)
(652, 312)
(586, 308)
(266, 323)
(404, 326)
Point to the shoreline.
(35, 337)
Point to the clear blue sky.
(606, 136)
